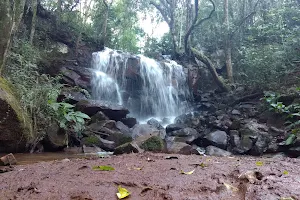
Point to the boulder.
(184, 132)
(129, 147)
(217, 138)
(56, 138)
(71, 95)
(153, 122)
(15, 125)
(8, 159)
(123, 128)
(174, 127)
(77, 76)
(180, 148)
(91, 107)
(145, 129)
(294, 151)
(154, 143)
(129, 121)
(99, 116)
(254, 136)
(215, 151)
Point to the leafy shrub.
(290, 112)
(32, 88)
(67, 118)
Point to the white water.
(141, 84)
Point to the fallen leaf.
(285, 172)
(103, 168)
(187, 173)
(230, 187)
(138, 168)
(259, 163)
(286, 198)
(203, 165)
(122, 193)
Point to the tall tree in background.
(10, 15)
(227, 46)
(34, 4)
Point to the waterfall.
(146, 87)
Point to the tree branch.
(242, 21)
(196, 22)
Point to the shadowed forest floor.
(154, 176)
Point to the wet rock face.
(91, 107)
(14, 124)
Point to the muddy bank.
(158, 178)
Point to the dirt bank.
(152, 176)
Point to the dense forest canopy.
(258, 39)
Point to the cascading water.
(146, 87)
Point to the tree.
(34, 4)
(227, 46)
(10, 15)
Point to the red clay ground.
(158, 179)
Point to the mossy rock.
(91, 141)
(129, 147)
(15, 126)
(154, 143)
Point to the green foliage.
(32, 88)
(290, 112)
(67, 118)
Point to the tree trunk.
(10, 15)
(211, 68)
(33, 20)
(59, 8)
(227, 44)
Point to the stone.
(174, 127)
(8, 159)
(98, 117)
(235, 112)
(179, 148)
(145, 129)
(187, 139)
(91, 107)
(153, 122)
(77, 76)
(215, 151)
(235, 125)
(71, 95)
(294, 151)
(56, 138)
(107, 145)
(183, 132)
(129, 121)
(260, 146)
(154, 143)
(129, 147)
(16, 128)
(123, 128)
(235, 139)
(218, 139)
(92, 140)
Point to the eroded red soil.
(158, 179)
